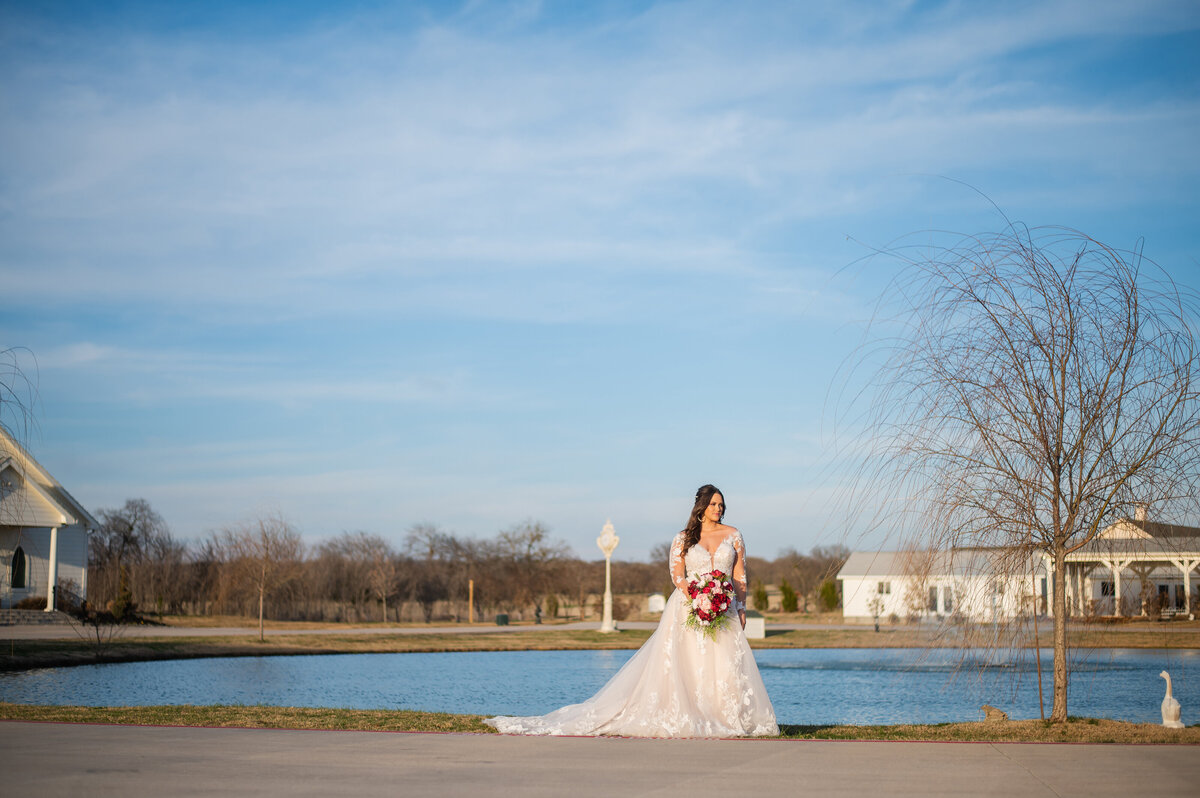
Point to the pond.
(811, 686)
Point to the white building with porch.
(43, 530)
(906, 585)
(1134, 567)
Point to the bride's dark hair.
(691, 532)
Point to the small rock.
(990, 713)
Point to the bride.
(680, 683)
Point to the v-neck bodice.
(699, 560)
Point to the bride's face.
(715, 509)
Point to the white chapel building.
(43, 530)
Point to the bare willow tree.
(1028, 388)
(18, 392)
(265, 554)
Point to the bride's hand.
(742, 617)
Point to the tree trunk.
(1059, 713)
(260, 615)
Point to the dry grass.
(243, 622)
(252, 717)
(917, 637)
(844, 638)
(1077, 730)
(1100, 637)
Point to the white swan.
(1170, 706)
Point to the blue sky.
(375, 264)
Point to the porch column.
(1116, 566)
(1083, 573)
(1047, 604)
(1143, 572)
(53, 575)
(1187, 566)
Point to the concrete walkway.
(49, 759)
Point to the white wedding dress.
(679, 683)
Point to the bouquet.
(710, 596)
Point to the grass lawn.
(1077, 730)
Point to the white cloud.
(520, 151)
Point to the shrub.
(31, 603)
(827, 595)
(760, 600)
(121, 607)
(788, 598)
(552, 606)
(123, 604)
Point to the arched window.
(17, 569)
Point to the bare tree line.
(805, 581)
(262, 568)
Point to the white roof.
(958, 562)
(30, 497)
(872, 563)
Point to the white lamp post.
(607, 542)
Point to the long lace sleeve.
(675, 561)
(741, 578)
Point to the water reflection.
(807, 686)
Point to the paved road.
(49, 759)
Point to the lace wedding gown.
(679, 683)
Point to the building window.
(933, 599)
(17, 569)
(947, 599)
(883, 588)
(1106, 589)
